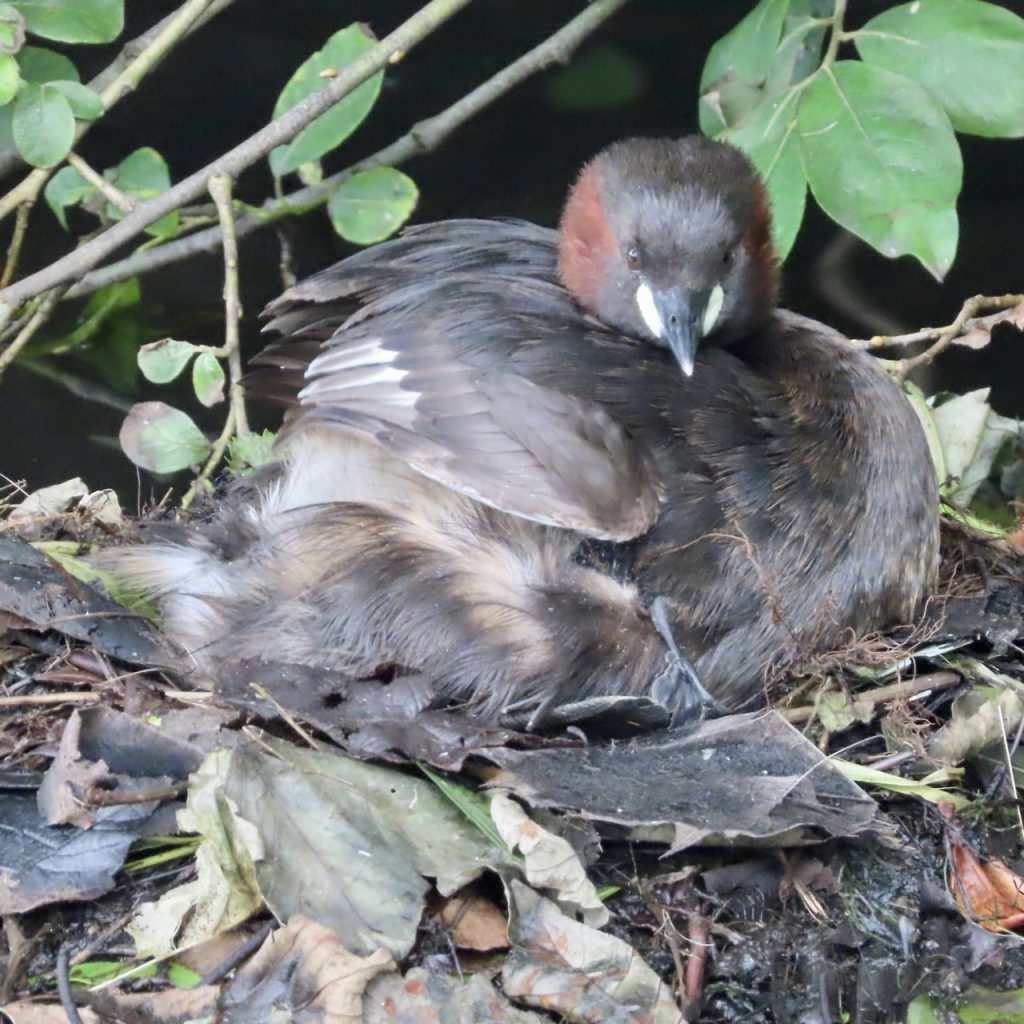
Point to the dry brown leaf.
(979, 334)
(305, 968)
(988, 892)
(475, 923)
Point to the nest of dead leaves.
(308, 847)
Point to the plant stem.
(121, 200)
(220, 189)
(424, 136)
(285, 128)
(17, 238)
(38, 318)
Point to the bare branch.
(422, 137)
(941, 337)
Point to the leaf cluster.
(872, 138)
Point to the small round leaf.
(41, 65)
(12, 29)
(9, 78)
(144, 174)
(372, 205)
(208, 379)
(73, 21)
(43, 125)
(969, 55)
(157, 437)
(66, 188)
(882, 160)
(85, 104)
(162, 361)
(332, 128)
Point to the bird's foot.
(679, 689)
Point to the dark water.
(514, 159)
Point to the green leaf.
(85, 104)
(247, 452)
(770, 138)
(160, 438)
(600, 78)
(162, 361)
(371, 205)
(12, 29)
(775, 46)
(41, 65)
(208, 379)
(882, 160)
(969, 55)
(43, 125)
(73, 21)
(66, 188)
(144, 174)
(332, 128)
(9, 78)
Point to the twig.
(213, 461)
(174, 29)
(895, 691)
(38, 318)
(422, 137)
(941, 337)
(67, 1000)
(124, 202)
(220, 189)
(241, 952)
(69, 697)
(17, 238)
(237, 159)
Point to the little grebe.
(505, 443)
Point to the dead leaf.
(551, 863)
(989, 892)
(475, 923)
(303, 973)
(977, 721)
(425, 997)
(745, 779)
(68, 778)
(565, 967)
(979, 333)
(349, 843)
(224, 892)
(51, 501)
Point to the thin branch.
(421, 138)
(217, 451)
(17, 238)
(38, 318)
(220, 190)
(285, 128)
(121, 200)
(941, 337)
(176, 27)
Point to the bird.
(541, 467)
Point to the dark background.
(515, 159)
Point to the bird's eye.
(633, 257)
(728, 256)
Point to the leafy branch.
(873, 138)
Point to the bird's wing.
(451, 373)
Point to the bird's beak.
(680, 318)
